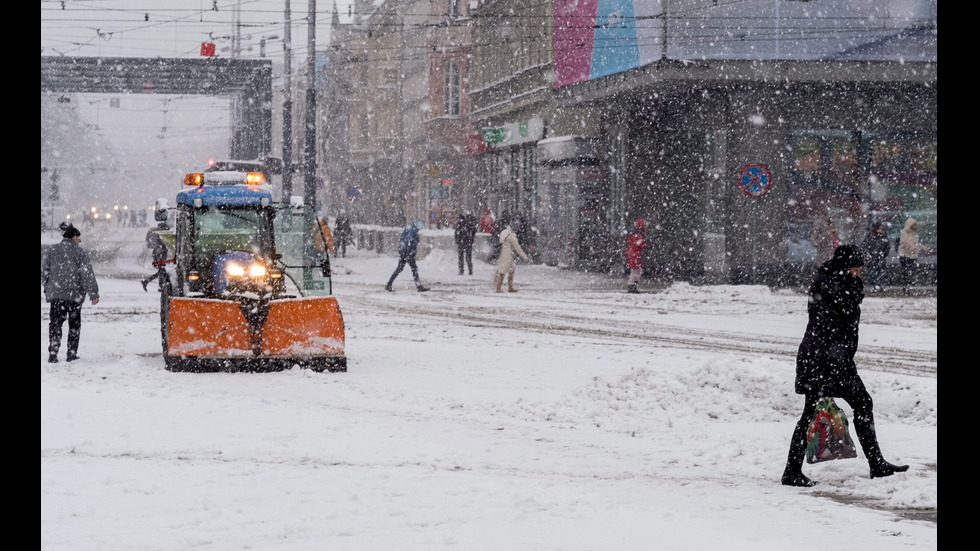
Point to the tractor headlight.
(237, 270)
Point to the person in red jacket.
(487, 224)
(636, 240)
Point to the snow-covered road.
(566, 416)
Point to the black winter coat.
(825, 361)
(465, 231)
(877, 246)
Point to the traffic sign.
(755, 180)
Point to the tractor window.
(230, 230)
(297, 241)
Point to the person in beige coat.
(506, 262)
(909, 250)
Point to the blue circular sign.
(353, 193)
(755, 180)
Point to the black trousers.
(909, 266)
(402, 260)
(857, 396)
(342, 245)
(62, 310)
(466, 255)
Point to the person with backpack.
(408, 246)
(825, 362)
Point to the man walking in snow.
(465, 234)
(67, 276)
(408, 246)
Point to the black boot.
(632, 289)
(793, 473)
(882, 468)
(796, 477)
(864, 425)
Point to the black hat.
(848, 256)
(69, 231)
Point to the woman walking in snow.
(825, 362)
(506, 261)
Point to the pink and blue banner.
(595, 38)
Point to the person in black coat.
(465, 235)
(825, 361)
(343, 232)
(877, 247)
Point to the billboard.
(595, 38)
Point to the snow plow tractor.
(249, 286)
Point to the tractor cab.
(225, 238)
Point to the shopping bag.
(829, 435)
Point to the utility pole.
(309, 182)
(236, 34)
(287, 110)
(309, 187)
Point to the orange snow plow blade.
(304, 327)
(301, 328)
(206, 327)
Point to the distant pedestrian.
(487, 223)
(909, 250)
(876, 248)
(525, 233)
(509, 248)
(825, 362)
(322, 237)
(498, 226)
(159, 249)
(344, 233)
(67, 276)
(824, 238)
(465, 234)
(408, 245)
(636, 241)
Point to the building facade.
(733, 129)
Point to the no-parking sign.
(755, 180)
(353, 193)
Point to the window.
(451, 100)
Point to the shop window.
(848, 179)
